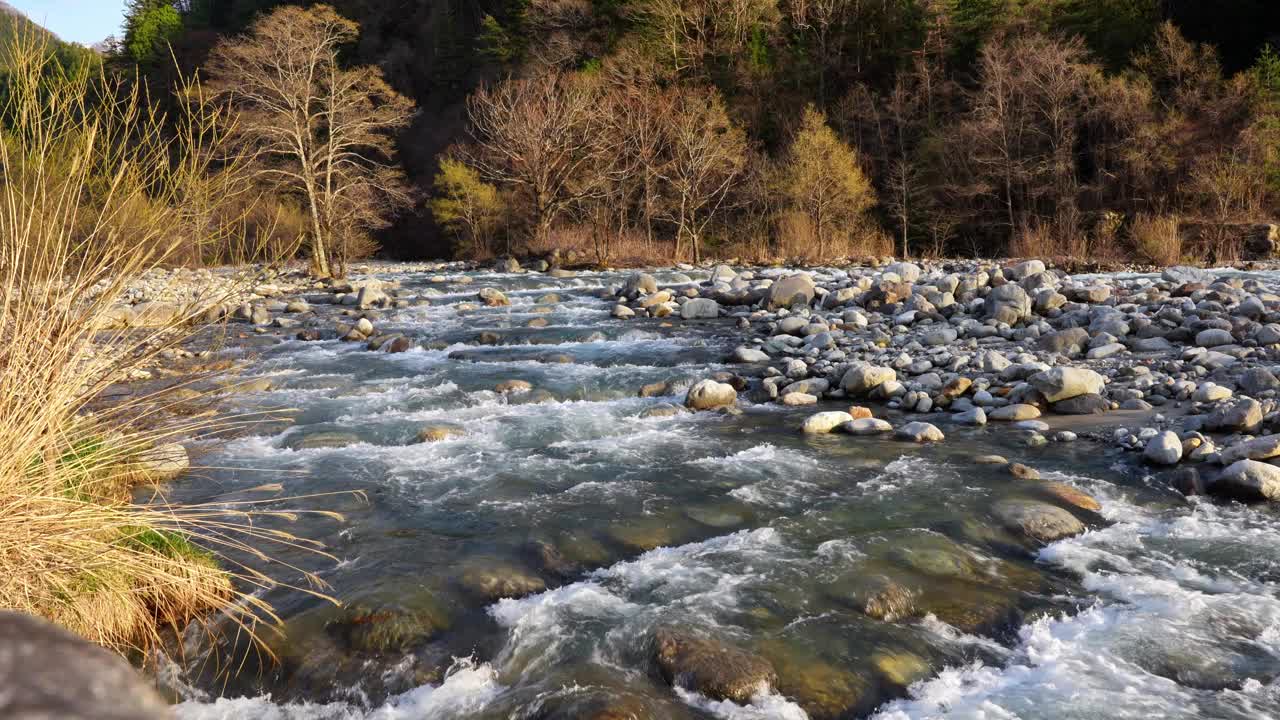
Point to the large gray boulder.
(798, 288)
(640, 284)
(50, 674)
(1163, 449)
(1243, 414)
(700, 308)
(709, 395)
(1248, 481)
(1062, 383)
(1008, 304)
(1065, 342)
(863, 378)
(1261, 448)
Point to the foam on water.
(467, 689)
(764, 706)
(1169, 635)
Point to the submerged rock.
(439, 433)
(497, 580)
(1037, 520)
(712, 668)
(389, 626)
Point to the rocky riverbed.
(912, 490)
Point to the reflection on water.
(521, 565)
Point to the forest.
(632, 129)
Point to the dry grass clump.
(91, 196)
(1156, 239)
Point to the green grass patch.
(168, 543)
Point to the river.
(609, 523)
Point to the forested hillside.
(13, 24)
(982, 126)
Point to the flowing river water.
(606, 525)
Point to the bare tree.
(540, 136)
(707, 154)
(317, 130)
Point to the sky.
(82, 21)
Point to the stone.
(700, 308)
(1024, 269)
(798, 288)
(163, 462)
(370, 296)
(709, 395)
(920, 432)
(748, 355)
(858, 412)
(640, 284)
(1065, 342)
(157, 314)
(439, 433)
(1188, 481)
(974, 416)
(867, 426)
(1037, 520)
(799, 399)
(1163, 449)
(388, 625)
(1062, 383)
(1008, 304)
(1070, 495)
(1015, 413)
(1243, 414)
(711, 668)
(1256, 381)
(1211, 392)
(863, 378)
(50, 673)
(1104, 351)
(662, 410)
(492, 297)
(956, 387)
(1023, 472)
(1260, 448)
(513, 387)
(825, 422)
(324, 440)
(1087, 404)
(1213, 337)
(497, 580)
(622, 312)
(1248, 481)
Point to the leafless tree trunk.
(317, 130)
